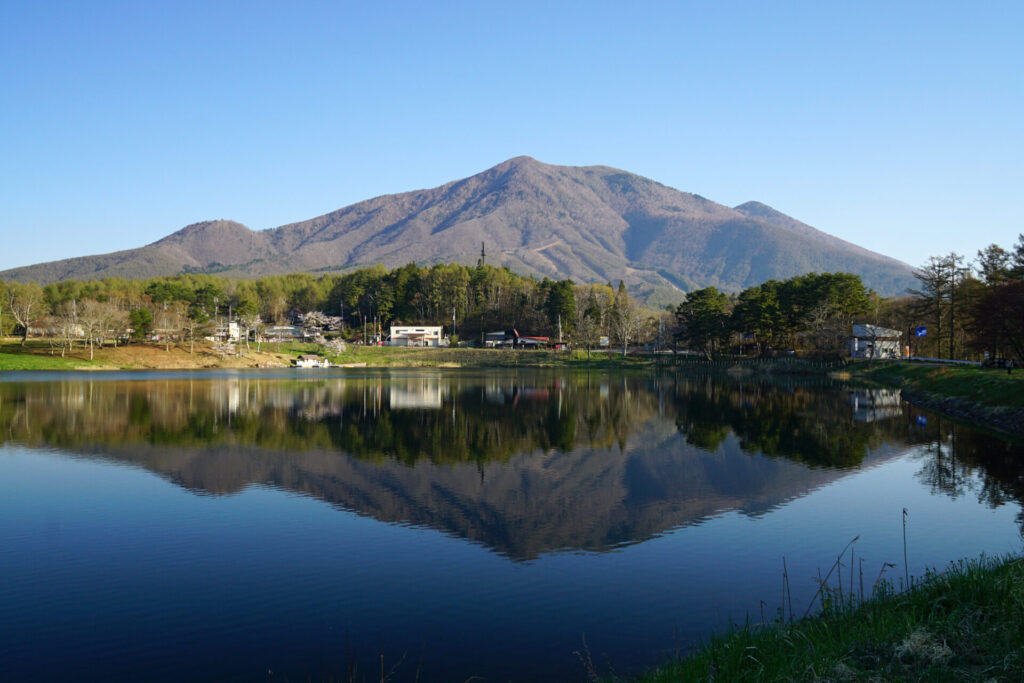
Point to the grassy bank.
(38, 355)
(985, 386)
(966, 624)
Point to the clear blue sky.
(898, 126)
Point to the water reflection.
(524, 463)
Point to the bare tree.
(627, 322)
(253, 323)
(3, 304)
(25, 302)
(168, 322)
(92, 319)
(588, 332)
(65, 318)
(193, 324)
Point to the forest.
(967, 310)
(466, 300)
(960, 310)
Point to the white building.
(872, 341)
(417, 336)
(309, 360)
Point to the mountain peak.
(216, 227)
(753, 208)
(585, 223)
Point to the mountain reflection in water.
(521, 462)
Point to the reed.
(964, 624)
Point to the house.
(280, 333)
(872, 341)
(495, 339)
(228, 332)
(310, 360)
(417, 336)
(511, 337)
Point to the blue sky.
(898, 126)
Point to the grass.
(966, 624)
(986, 386)
(386, 356)
(36, 355)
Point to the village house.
(873, 342)
(417, 336)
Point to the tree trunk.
(91, 351)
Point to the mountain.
(591, 224)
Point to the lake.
(443, 524)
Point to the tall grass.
(964, 624)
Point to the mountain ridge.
(587, 223)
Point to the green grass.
(34, 357)
(964, 625)
(987, 386)
(468, 357)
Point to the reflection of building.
(416, 393)
(872, 341)
(417, 336)
(870, 405)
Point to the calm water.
(174, 526)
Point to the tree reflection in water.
(524, 462)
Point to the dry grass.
(37, 355)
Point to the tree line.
(960, 310)
(468, 301)
(969, 310)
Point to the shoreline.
(961, 624)
(983, 397)
(986, 398)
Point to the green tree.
(561, 304)
(704, 320)
(141, 321)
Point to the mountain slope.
(591, 224)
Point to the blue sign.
(922, 421)
(921, 332)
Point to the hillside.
(591, 224)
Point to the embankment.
(985, 397)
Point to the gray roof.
(875, 332)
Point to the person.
(1009, 367)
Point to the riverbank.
(964, 624)
(983, 396)
(38, 355)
